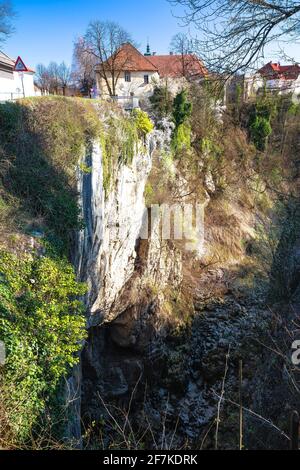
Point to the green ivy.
(42, 326)
(43, 139)
(120, 140)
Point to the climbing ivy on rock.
(42, 325)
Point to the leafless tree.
(183, 46)
(53, 78)
(64, 76)
(6, 14)
(103, 41)
(53, 71)
(83, 68)
(233, 33)
(42, 78)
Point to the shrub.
(162, 102)
(261, 115)
(42, 325)
(182, 137)
(182, 108)
(41, 319)
(142, 121)
(260, 129)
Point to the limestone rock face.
(106, 251)
(120, 269)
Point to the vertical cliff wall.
(120, 270)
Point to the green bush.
(41, 319)
(182, 108)
(182, 137)
(42, 325)
(261, 116)
(142, 121)
(162, 102)
(260, 129)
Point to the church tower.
(148, 51)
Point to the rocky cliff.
(121, 267)
(158, 377)
(131, 339)
(175, 341)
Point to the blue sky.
(45, 30)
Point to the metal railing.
(127, 102)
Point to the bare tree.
(6, 13)
(183, 46)
(42, 78)
(103, 40)
(83, 68)
(53, 71)
(235, 32)
(64, 76)
(53, 78)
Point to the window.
(127, 77)
(146, 79)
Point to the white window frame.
(127, 76)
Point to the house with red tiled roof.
(275, 78)
(136, 74)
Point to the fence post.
(294, 430)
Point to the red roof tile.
(281, 72)
(128, 58)
(176, 66)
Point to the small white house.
(275, 78)
(14, 85)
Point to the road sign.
(20, 66)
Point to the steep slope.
(150, 334)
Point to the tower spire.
(148, 50)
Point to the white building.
(136, 74)
(14, 85)
(275, 78)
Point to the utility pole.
(21, 74)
